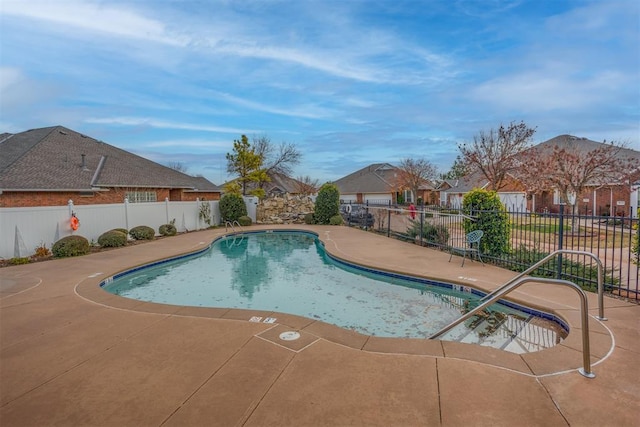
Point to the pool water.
(290, 272)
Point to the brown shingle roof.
(375, 178)
(52, 159)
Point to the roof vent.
(84, 162)
(63, 132)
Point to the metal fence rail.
(532, 236)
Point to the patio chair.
(469, 245)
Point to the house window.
(141, 196)
(408, 196)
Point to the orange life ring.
(74, 223)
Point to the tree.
(413, 173)
(458, 169)
(495, 153)
(280, 159)
(245, 162)
(571, 165)
(306, 185)
(177, 166)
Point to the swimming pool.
(290, 272)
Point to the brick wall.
(19, 199)
(603, 196)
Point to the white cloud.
(162, 124)
(95, 17)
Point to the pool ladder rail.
(238, 237)
(519, 280)
(232, 225)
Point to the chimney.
(84, 163)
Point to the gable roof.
(56, 158)
(375, 178)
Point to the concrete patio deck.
(73, 355)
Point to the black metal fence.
(529, 236)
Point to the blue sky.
(348, 82)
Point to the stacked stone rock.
(285, 209)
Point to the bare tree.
(572, 166)
(307, 186)
(177, 166)
(414, 173)
(494, 153)
(277, 159)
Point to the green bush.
(245, 221)
(327, 204)
(19, 260)
(232, 207)
(122, 230)
(308, 218)
(336, 220)
(70, 246)
(491, 217)
(438, 234)
(142, 232)
(112, 239)
(167, 230)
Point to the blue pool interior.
(290, 272)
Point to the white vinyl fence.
(22, 230)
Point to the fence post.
(70, 203)
(560, 241)
(389, 220)
(126, 213)
(197, 213)
(166, 208)
(421, 221)
(366, 216)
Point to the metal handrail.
(552, 255)
(229, 224)
(514, 284)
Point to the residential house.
(375, 184)
(50, 166)
(452, 191)
(618, 197)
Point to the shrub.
(245, 221)
(491, 217)
(437, 234)
(308, 218)
(70, 246)
(18, 260)
(112, 239)
(122, 230)
(167, 230)
(232, 207)
(142, 232)
(327, 204)
(336, 220)
(42, 251)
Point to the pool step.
(505, 333)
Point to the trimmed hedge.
(70, 246)
(142, 232)
(112, 239)
(336, 220)
(167, 230)
(245, 221)
(308, 218)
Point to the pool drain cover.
(289, 336)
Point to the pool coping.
(563, 358)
